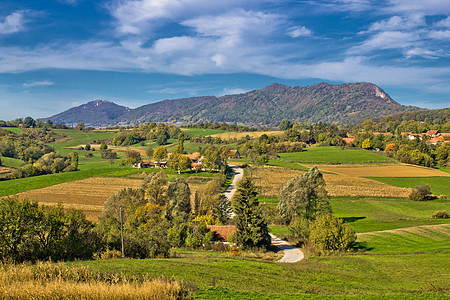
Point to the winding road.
(291, 254)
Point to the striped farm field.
(426, 238)
(390, 170)
(88, 194)
(237, 135)
(272, 179)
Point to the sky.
(56, 54)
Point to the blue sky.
(55, 54)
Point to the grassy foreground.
(438, 185)
(220, 276)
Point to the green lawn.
(189, 147)
(438, 185)
(335, 155)
(80, 137)
(11, 162)
(361, 275)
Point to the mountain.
(94, 113)
(323, 102)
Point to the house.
(349, 139)
(141, 165)
(432, 133)
(435, 140)
(222, 232)
(162, 164)
(234, 154)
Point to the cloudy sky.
(55, 54)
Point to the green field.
(218, 275)
(31, 183)
(80, 137)
(198, 131)
(373, 214)
(11, 162)
(335, 155)
(13, 129)
(438, 185)
(428, 240)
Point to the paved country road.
(238, 173)
(291, 253)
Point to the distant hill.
(323, 102)
(94, 113)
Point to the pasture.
(199, 131)
(438, 185)
(221, 276)
(425, 238)
(11, 162)
(367, 214)
(335, 155)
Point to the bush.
(330, 233)
(440, 214)
(300, 228)
(88, 155)
(87, 147)
(420, 193)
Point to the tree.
(367, 144)
(103, 147)
(74, 162)
(149, 151)
(180, 162)
(81, 125)
(29, 122)
(180, 147)
(304, 196)
(285, 125)
(179, 199)
(154, 186)
(160, 153)
(251, 227)
(420, 193)
(133, 156)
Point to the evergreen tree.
(75, 160)
(251, 227)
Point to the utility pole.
(121, 231)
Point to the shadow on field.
(352, 219)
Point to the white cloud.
(386, 40)
(298, 31)
(13, 23)
(233, 91)
(440, 34)
(429, 7)
(443, 23)
(37, 83)
(425, 53)
(411, 22)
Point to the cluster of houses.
(196, 161)
(431, 136)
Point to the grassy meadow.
(335, 155)
(438, 185)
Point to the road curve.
(291, 254)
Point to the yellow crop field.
(273, 178)
(397, 170)
(88, 194)
(238, 135)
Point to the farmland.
(237, 135)
(334, 155)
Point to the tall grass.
(58, 281)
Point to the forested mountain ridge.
(323, 102)
(94, 113)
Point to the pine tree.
(251, 227)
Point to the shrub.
(87, 147)
(330, 233)
(420, 193)
(440, 214)
(110, 254)
(88, 155)
(300, 228)
(103, 147)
